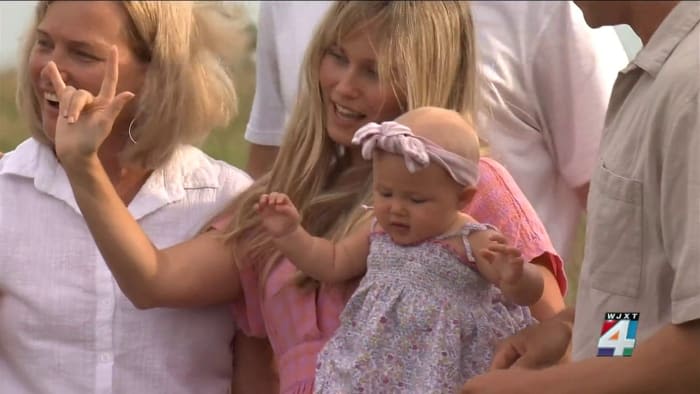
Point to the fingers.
(75, 103)
(51, 71)
(272, 199)
(488, 255)
(64, 99)
(116, 106)
(498, 238)
(109, 82)
(504, 249)
(526, 363)
(506, 356)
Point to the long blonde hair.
(425, 54)
(187, 89)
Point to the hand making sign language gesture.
(85, 120)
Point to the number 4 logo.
(618, 335)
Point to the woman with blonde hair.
(64, 324)
(368, 62)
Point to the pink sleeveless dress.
(299, 322)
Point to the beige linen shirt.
(643, 236)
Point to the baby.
(425, 317)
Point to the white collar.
(188, 168)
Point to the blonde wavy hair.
(425, 53)
(187, 89)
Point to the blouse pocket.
(613, 247)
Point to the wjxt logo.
(618, 336)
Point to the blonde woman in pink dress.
(358, 48)
(403, 330)
(368, 62)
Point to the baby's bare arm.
(322, 259)
(503, 266)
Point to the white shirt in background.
(65, 326)
(550, 80)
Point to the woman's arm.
(197, 272)
(551, 302)
(254, 369)
(500, 202)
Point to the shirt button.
(105, 357)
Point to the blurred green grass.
(226, 144)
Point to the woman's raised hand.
(84, 121)
(279, 216)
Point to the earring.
(131, 137)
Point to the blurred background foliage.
(226, 143)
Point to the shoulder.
(676, 87)
(494, 174)
(203, 171)
(678, 77)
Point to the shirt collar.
(672, 30)
(188, 168)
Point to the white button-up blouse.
(65, 326)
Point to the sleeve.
(267, 116)
(247, 309)
(573, 71)
(680, 210)
(500, 202)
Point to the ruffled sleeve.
(247, 309)
(500, 202)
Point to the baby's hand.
(505, 259)
(279, 216)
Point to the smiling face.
(414, 207)
(77, 36)
(351, 90)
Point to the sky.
(15, 16)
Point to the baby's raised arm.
(503, 266)
(323, 260)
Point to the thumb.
(506, 356)
(118, 103)
(526, 362)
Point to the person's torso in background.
(547, 80)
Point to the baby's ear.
(465, 196)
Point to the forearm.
(665, 363)
(528, 289)
(127, 250)
(582, 194)
(314, 256)
(260, 159)
(552, 301)
(254, 369)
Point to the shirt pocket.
(613, 247)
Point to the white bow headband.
(417, 151)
